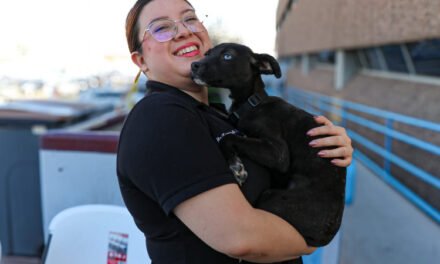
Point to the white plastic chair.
(95, 234)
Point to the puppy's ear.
(267, 64)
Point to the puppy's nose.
(195, 66)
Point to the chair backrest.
(95, 234)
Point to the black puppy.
(308, 191)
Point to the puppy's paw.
(238, 169)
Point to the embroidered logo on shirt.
(232, 132)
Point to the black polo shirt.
(168, 153)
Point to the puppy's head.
(234, 66)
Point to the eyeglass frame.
(175, 27)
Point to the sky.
(47, 37)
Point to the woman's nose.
(182, 30)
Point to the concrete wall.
(315, 25)
(282, 4)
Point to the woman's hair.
(132, 26)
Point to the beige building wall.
(315, 25)
(282, 4)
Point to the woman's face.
(166, 61)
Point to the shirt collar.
(159, 87)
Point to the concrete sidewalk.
(381, 226)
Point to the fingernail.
(333, 162)
(310, 133)
(321, 153)
(313, 143)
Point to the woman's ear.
(139, 60)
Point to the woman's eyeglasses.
(164, 30)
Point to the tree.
(219, 35)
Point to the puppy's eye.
(227, 56)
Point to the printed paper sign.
(117, 248)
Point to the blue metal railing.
(316, 103)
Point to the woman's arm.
(224, 220)
(336, 137)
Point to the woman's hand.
(337, 137)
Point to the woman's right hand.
(336, 139)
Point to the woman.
(172, 176)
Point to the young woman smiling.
(173, 177)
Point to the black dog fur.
(308, 191)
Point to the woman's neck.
(200, 93)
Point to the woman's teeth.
(186, 50)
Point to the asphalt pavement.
(381, 226)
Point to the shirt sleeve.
(167, 151)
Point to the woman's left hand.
(337, 137)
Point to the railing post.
(343, 119)
(320, 106)
(388, 144)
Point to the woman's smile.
(188, 50)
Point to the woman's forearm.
(224, 219)
(268, 238)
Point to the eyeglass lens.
(165, 29)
